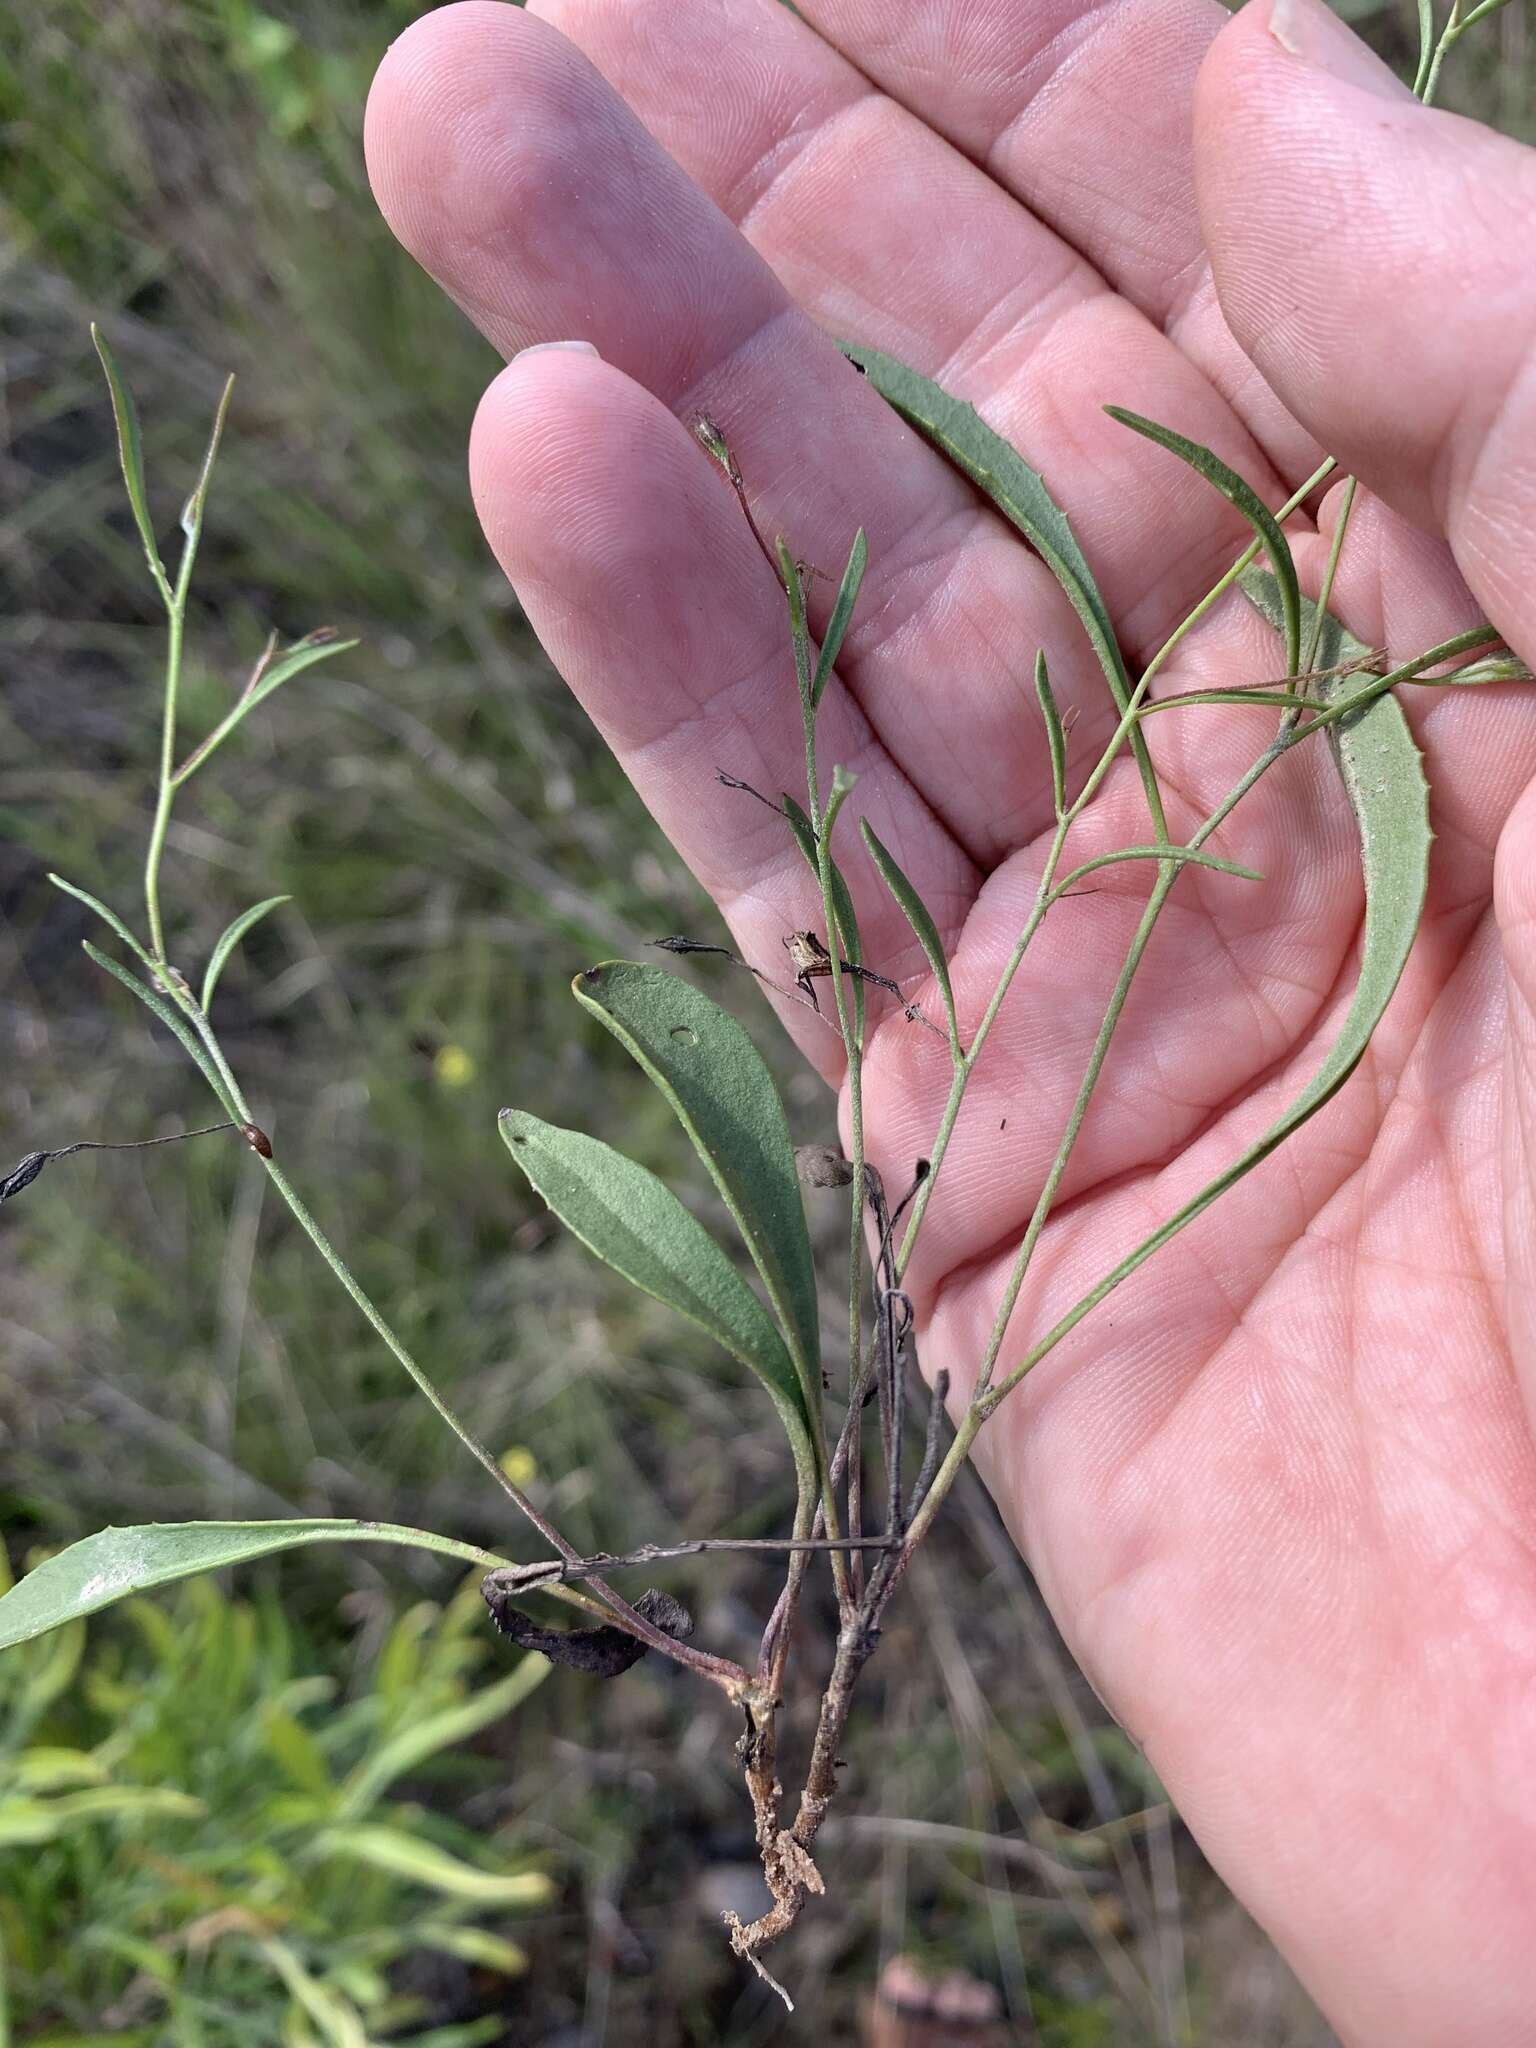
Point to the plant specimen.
(865, 1506)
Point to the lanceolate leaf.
(1384, 777)
(229, 938)
(635, 1223)
(842, 613)
(116, 1562)
(130, 449)
(1258, 515)
(713, 1076)
(918, 915)
(107, 915)
(1019, 493)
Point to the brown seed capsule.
(822, 1166)
(257, 1139)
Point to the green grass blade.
(918, 915)
(421, 1862)
(714, 1078)
(1247, 501)
(107, 916)
(418, 1740)
(1384, 776)
(109, 1566)
(842, 613)
(229, 938)
(130, 450)
(1019, 493)
(634, 1223)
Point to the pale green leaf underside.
(634, 1223)
(1383, 775)
(115, 1563)
(715, 1080)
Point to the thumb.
(1372, 256)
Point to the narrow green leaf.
(475, 1945)
(1055, 732)
(1019, 493)
(842, 613)
(799, 631)
(715, 1080)
(1182, 856)
(130, 450)
(407, 1856)
(633, 1221)
(1258, 515)
(1383, 775)
(918, 915)
(419, 1740)
(168, 1017)
(113, 1563)
(192, 510)
(335, 2016)
(229, 938)
(107, 916)
(303, 654)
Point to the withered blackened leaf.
(24, 1175)
(604, 1652)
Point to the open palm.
(1281, 1489)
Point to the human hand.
(1280, 1491)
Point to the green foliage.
(218, 1847)
(1237, 491)
(714, 1079)
(115, 1563)
(1019, 493)
(635, 1223)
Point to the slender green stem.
(1314, 638)
(166, 794)
(966, 1066)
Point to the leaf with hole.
(110, 1565)
(633, 1221)
(714, 1078)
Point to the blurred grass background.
(456, 845)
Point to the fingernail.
(1313, 32)
(537, 348)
